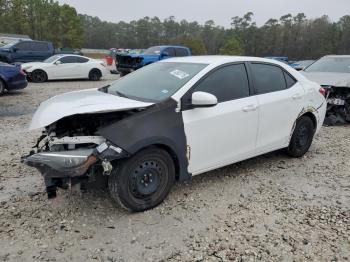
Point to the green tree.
(232, 47)
(196, 45)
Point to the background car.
(65, 67)
(11, 78)
(145, 131)
(127, 63)
(26, 51)
(301, 65)
(333, 73)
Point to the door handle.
(297, 96)
(249, 108)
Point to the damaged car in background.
(172, 120)
(333, 74)
(131, 61)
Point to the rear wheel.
(95, 75)
(38, 76)
(302, 137)
(142, 181)
(2, 87)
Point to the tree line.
(294, 36)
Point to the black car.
(11, 78)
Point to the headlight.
(26, 67)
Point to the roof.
(165, 46)
(14, 36)
(334, 56)
(218, 59)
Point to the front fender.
(159, 124)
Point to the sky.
(220, 11)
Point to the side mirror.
(58, 62)
(203, 99)
(165, 54)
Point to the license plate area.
(336, 101)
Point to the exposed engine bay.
(338, 108)
(71, 150)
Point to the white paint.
(80, 102)
(57, 71)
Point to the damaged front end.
(128, 63)
(70, 152)
(338, 105)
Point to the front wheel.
(142, 181)
(302, 137)
(38, 76)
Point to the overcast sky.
(202, 10)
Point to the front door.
(226, 133)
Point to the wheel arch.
(95, 69)
(179, 162)
(312, 116)
(310, 112)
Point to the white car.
(173, 120)
(59, 67)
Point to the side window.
(68, 60)
(181, 52)
(290, 81)
(24, 46)
(170, 51)
(226, 83)
(39, 47)
(81, 59)
(268, 78)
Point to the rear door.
(280, 99)
(226, 133)
(40, 51)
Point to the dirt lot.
(270, 208)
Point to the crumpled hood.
(80, 102)
(329, 79)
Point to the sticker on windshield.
(179, 74)
(165, 91)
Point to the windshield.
(9, 45)
(331, 64)
(155, 82)
(52, 59)
(152, 51)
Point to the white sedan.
(173, 120)
(59, 67)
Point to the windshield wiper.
(104, 89)
(121, 94)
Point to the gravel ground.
(270, 208)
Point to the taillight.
(323, 91)
(22, 72)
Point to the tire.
(38, 76)
(2, 87)
(122, 74)
(95, 75)
(143, 181)
(302, 137)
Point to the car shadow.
(100, 192)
